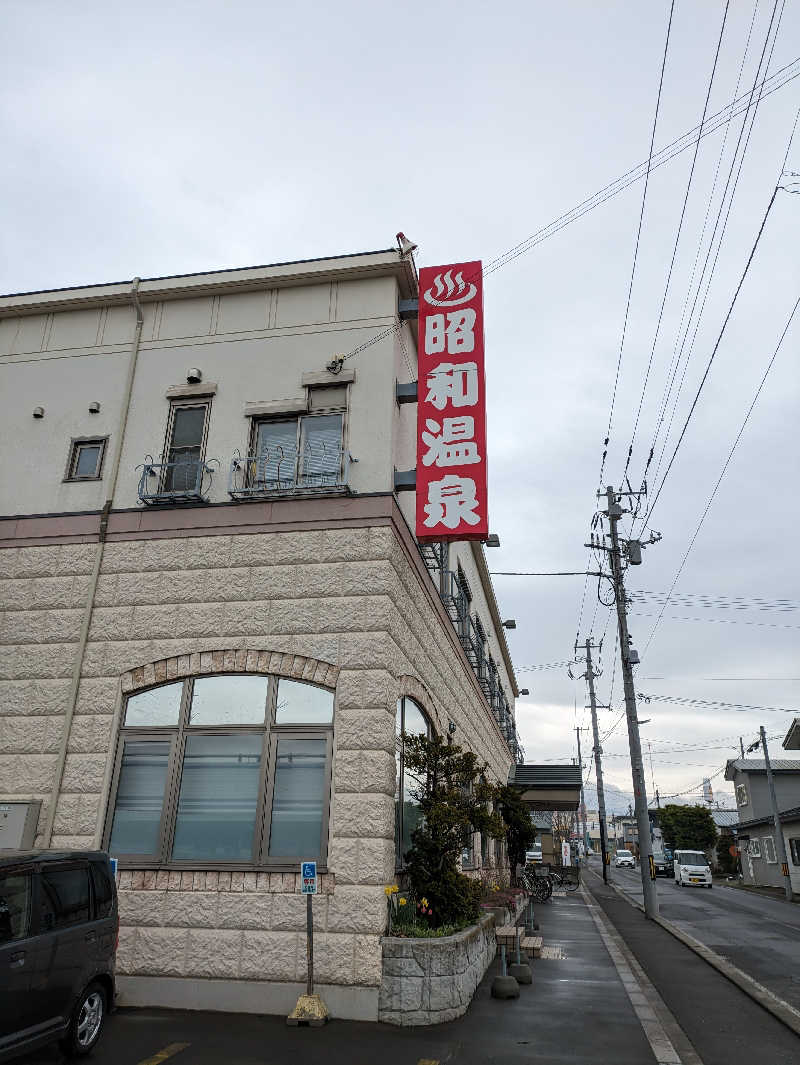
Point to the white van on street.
(691, 868)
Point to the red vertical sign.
(451, 410)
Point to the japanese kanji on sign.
(451, 411)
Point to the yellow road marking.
(167, 1052)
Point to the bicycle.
(540, 887)
(570, 882)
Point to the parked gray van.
(58, 937)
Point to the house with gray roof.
(755, 829)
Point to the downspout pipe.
(83, 637)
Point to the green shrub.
(453, 797)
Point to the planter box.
(429, 981)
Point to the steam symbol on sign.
(455, 292)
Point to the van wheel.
(87, 1022)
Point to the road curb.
(780, 1009)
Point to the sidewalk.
(577, 1012)
(722, 1022)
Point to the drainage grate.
(553, 953)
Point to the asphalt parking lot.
(578, 980)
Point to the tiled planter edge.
(430, 981)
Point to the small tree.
(520, 829)
(563, 822)
(453, 797)
(725, 860)
(688, 827)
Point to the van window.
(15, 906)
(103, 890)
(692, 858)
(64, 898)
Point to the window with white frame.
(794, 850)
(754, 848)
(769, 850)
(411, 720)
(741, 795)
(302, 451)
(227, 770)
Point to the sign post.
(310, 1008)
(309, 888)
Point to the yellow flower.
(495, 888)
(387, 891)
(424, 903)
(395, 889)
(403, 901)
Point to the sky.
(170, 138)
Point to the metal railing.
(455, 601)
(277, 471)
(186, 480)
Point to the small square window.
(794, 849)
(85, 460)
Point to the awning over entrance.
(547, 787)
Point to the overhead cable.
(675, 361)
(636, 246)
(677, 238)
(723, 471)
(722, 232)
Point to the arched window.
(228, 770)
(411, 720)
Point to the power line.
(636, 246)
(543, 665)
(724, 469)
(678, 349)
(529, 573)
(772, 84)
(679, 353)
(716, 704)
(775, 81)
(694, 787)
(713, 354)
(713, 621)
(677, 239)
(713, 601)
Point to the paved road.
(758, 934)
(724, 1025)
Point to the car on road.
(691, 868)
(533, 855)
(624, 857)
(663, 867)
(59, 926)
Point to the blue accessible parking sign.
(308, 872)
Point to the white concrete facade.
(103, 597)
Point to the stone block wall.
(350, 602)
(430, 981)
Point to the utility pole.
(658, 799)
(597, 751)
(582, 818)
(780, 842)
(741, 747)
(614, 513)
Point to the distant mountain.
(618, 801)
